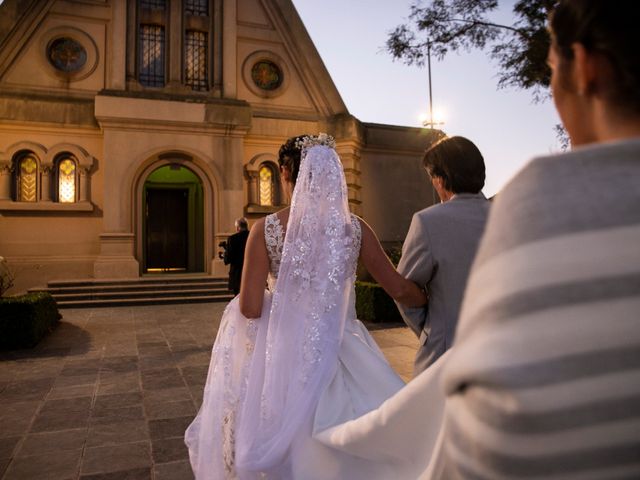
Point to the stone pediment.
(272, 30)
(32, 57)
(264, 53)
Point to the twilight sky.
(505, 124)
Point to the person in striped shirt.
(543, 381)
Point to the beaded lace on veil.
(307, 315)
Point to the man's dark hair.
(458, 162)
(610, 29)
(289, 155)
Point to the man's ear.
(584, 69)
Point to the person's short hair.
(610, 29)
(458, 162)
(242, 223)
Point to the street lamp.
(430, 122)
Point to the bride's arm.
(381, 269)
(254, 272)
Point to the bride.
(296, 384)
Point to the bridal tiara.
(309, 141)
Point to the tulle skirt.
(365, 424)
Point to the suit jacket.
(438, 252)
(234, 256)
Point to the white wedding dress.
(291, 398)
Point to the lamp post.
(430, 123)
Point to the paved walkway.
(108, 395)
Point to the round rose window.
(266, 75)
(67, 55)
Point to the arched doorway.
(173, 221)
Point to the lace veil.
(307, 315)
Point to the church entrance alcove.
(173, 229)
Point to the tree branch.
(489, 24)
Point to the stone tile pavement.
(108, 395)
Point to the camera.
(221, 254)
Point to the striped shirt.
(544, 378)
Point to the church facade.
(134, 132)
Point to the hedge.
(26, 319)
(374, 305)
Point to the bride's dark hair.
(289, 155)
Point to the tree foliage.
(440, 26)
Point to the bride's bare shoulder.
(363, 225)
(283, 215)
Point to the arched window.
(267, 190)
(268, 181)
(67, 185)
(27, 179)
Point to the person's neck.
(612, 126)
(445, 195)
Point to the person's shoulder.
(425, 212)
(361, 222)
(237, 235)
(281, 217)
(431, 212)
(546, 172)
(259, 225)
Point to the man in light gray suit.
(442, 242)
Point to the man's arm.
(230, 251)
(416, 264)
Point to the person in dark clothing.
(234, 254)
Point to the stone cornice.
(47, 109)
(216, 116)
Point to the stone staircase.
(156, 290)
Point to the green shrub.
(394, 254)
(374, 305)
(25, 319)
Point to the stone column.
(118, 62)
(351, 161)
(117, 240)
(5, 181)
(45, 189)
(132, 30)
(175, 44)
(229, 49)
(116, 258)
(252, 177)
(84, 184)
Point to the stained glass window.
(266, 186)
(67, 55)
(67, 181)
(27, 179)
(153, 4)
(266, 75)
(196, 7)
(152, 48)
(196, 59)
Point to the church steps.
(140, 294)
(135, 288)
(134, 302)
(171, 280)
(142, 291)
